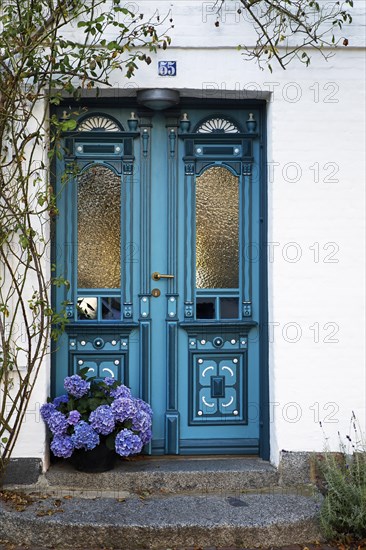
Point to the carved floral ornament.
(213, 125)
(217, 125)
(98, 123)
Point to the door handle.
(157, 276)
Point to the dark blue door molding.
(199, 355)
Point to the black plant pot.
(99, 459)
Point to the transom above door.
(159, 213)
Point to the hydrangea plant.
(95, 411)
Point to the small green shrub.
(343, 482)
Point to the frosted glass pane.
(217, 229)
(99, 229)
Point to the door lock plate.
(155, 292)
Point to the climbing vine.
(286, 30)
(48, 49)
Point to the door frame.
(194, 100)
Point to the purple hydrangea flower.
(141, 422)
(62, 446)
(109, 381)
(127, 443)
(121, 391)
(145, 436)
(123, 408)
(102, 420)
(61, 399)
(57, 423)
(76, 386)
(143, 406)
(84, 437)
(47, 410)
(74, 417)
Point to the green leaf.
(112, 45)
(71, 404)
(82, 372)
(94, 403)
(99, 394)
(24, 242)
(4, 440)
(41, 200)
(68, 125)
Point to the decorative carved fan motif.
(217, 125)
(98, 123)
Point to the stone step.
(168, 476)
(171, 521)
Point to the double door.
(159, 233)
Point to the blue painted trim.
(264, 424)
(171, 446)
(245, 253)
(172, 366)
(99, 162)
(189, 243)
(145, 213)
(158, 447)
(222, 163)
(72, 225)
(125, 210)
(198, 447)
(263, 363)
(217, 137)
(219, 446)
(144, 307)
(218, 355)
(145, 142)
(188, 310)
(250, 237)
(90, 327)
(172, 307)
(145, 366)
(172, 203)
(127, 232)
(197, 327)
(172, 141)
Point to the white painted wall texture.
(316, 181)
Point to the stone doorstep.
(246, 520)
(169, 476)
(152, 503)
(177, 473)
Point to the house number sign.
(167, 68)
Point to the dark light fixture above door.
(158, 99)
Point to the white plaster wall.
(316, 159)
(32, 437)
(316, 118)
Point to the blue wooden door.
(159, 235)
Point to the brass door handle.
(157, 276)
